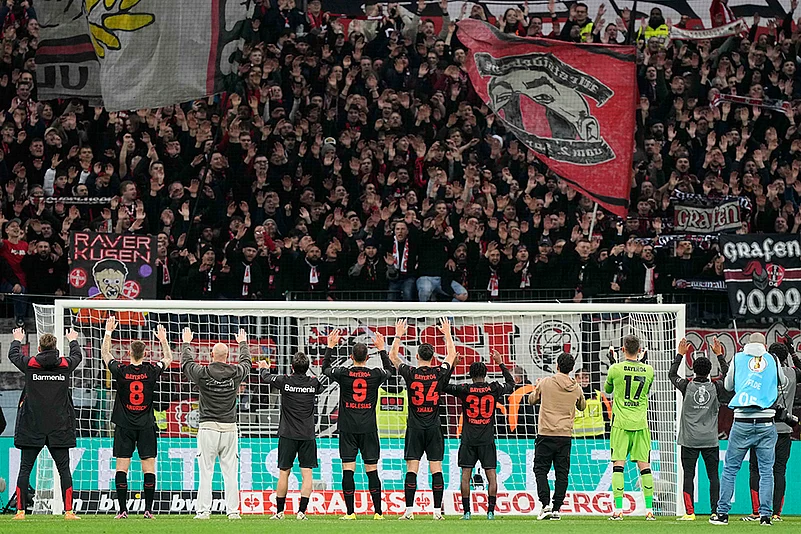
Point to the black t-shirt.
(478, 408)
(424, 387)
(358, 395)
(298, 404)
(133, 407)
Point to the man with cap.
(12, 277)
(244, 273)
(755, 378)
(520, 276)
(369, 273)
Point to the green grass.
(421, 525)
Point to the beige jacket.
(559, 396)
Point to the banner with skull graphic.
(572, 104)
(763, 274)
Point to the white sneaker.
(202, 515)
(234, 516)
(546, 513)
(301, 516)
(279, 515)
(438, 515)
(407, 516)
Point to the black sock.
(438, 487)
(304, 502)
(411, 488)
(280, 503)
(374, 484)
(466, 504)
(150, 491)
(348, 489)
(492, 499)
(121, 481)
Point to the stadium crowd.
(360, 158)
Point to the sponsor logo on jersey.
(757, 364)
(58, 378)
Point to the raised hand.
(684, 346)
(187, 335)
(379, 342)
(72, 335)
(717, 346)
(445, 327)
(161, 333)
(19, 334)
(400, 328)
(496, 357)
(241, 336)
(333, 338)
(111, 324)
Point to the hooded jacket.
(559, 397)
(46, 413)
(218, 383)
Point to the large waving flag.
(572, 104)
(133, 54)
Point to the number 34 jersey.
(630, 382)
(133, 407)
(424, 387)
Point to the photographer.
(755, 378)
(784, 429)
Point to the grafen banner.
(112, 266)
(572, 104)
(763, 274)
(706, 219)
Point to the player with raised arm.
(630, 381)
(135, 423)
(479, 400)
(698, 426)
(296, 436)
(424, 387)
(45, 417)
(358, 430)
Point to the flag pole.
(630, 38)
(592, 222)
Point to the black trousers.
(552, 451)
(779, 469)
(61, 457)
(689, 459)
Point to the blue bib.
(755, 381)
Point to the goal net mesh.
(530, 340)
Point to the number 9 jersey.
(630, 382)
(133, 405)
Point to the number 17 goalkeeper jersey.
(630, 382)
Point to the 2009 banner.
(763, 274)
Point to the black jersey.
(424, 388)
(298, 405)
(478, 407)
(358, 394)
(133, 407)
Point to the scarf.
(401, 262)
(493, 284)
(767, 103)
(525, 277)
(732, 28)
(165, 272)
(246, 281)
(314, 275)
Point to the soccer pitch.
(421, 525)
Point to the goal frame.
(391, 309)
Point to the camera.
(784, 416)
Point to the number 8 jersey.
(424, 387)
(133, 406)
(630, 382)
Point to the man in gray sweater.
(217, 436)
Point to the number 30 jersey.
(424, 387)
(479, 401)
(133, 406)
(630, 382)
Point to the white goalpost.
(529, 336)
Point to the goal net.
(529, 336)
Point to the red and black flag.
(572, 104)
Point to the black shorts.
(351, 444)
(304, 449)
(420, 441)
(128, 440)
(486, 454)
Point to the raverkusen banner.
(570, 103)
(112, 266)
(706, 219)
(763, 274)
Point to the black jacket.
(45, 411)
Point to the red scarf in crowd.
(401, 262)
